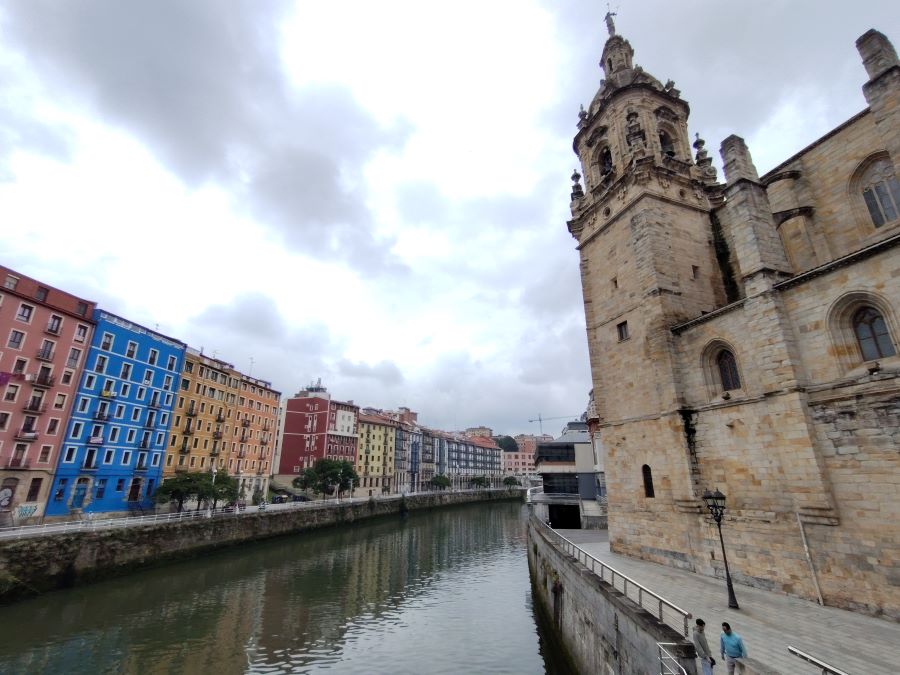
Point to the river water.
(442, 591)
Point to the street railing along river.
(89, 524)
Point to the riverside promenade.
(768, 622)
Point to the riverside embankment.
(29, 566)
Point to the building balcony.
(89, 467)
(142, 467)
(101, 416)
(245, 422)
(44, 354)
(18, 463)
(95, 440)
(144, 444)
(242, 453)
(108, 393)
(214, 452)
(150, 423)
(35, 407)
(264, 441)
(191, 412)
(53, 328)
(181, 469)
(154, 403)
(184, 449)
(26, 435)
(187, 431)
(220, 418)
(43, 381)
(217, 435)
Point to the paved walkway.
(768, 622)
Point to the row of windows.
(47, 350)
(131, 351)
(92, 457)
(873, 340)
(11, 282)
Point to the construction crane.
(540, 420)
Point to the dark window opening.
(728, 371)
(622, 331)
(872, 335)
(665, 142)
(648, 481)
(606, 163)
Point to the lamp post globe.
(715, 502)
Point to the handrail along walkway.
(668, 663)
(826, 669)
(665, 611)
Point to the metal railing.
(89, 523)
(826, 669)
(665, 611)
(668, 663)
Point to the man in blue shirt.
(732, 647)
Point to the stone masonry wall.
(601, 630)
(38, 564)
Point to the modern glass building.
(112, 456)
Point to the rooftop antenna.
(251, 366)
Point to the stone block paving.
(768, 622)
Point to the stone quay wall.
(597, 627)
(33, 565)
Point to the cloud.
(385, 373)
(205, 90)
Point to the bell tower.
(644, 232)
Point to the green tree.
(480, 482)
(507, 443)
(328, 476)
(511, 481)
(224, 489)
(179, 488)
(440, 481)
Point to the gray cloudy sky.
(374, 193)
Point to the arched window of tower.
(606, 162)
(666, 144)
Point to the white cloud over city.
(370, 193)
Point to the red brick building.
(316, 427)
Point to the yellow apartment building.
(375, 454)
(202, 431)
(253, 435)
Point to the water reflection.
(440, 592)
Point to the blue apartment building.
(112, 456)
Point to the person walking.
(732, 647)
(702, 646)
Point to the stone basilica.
(744, 336)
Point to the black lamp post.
(715, 502)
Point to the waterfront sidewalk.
(768, 622)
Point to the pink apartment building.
(45, 334)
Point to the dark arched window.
(872, 335)
(609, 64)
(665, 142)
(881, 191)
(606, 163)
(648, 481)
(728, 372)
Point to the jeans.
(706, 667)
(731, 662)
